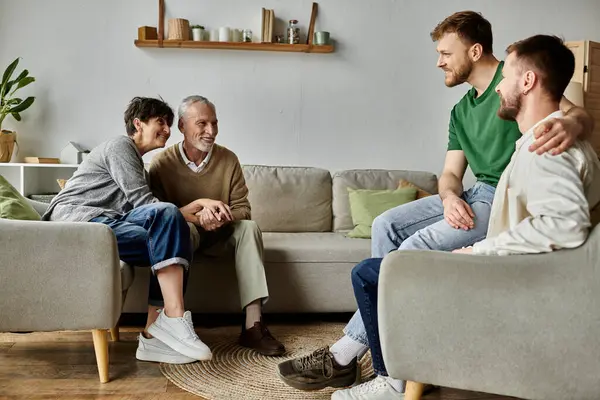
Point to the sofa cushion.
(371, 179)
(314, 247)
(289, 199)
(13, 205)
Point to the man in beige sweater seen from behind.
(198, 168)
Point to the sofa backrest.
(371, 179)
(289, 199)
(39, 206)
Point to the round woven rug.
(239, 373)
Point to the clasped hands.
(207, 213)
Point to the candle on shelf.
(236, 35)
(224, 34)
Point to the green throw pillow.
(13, 205)
(366, 204)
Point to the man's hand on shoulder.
(558, 134)
(555, 135)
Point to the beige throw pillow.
(403, 183)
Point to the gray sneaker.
(318, 370)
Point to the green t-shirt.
(475, 128)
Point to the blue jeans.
(420, 225)
(365, 279)
(154, 235)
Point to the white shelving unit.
(31, 179)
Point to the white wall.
(377, 102)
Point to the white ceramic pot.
(197, 34)
(224, 34)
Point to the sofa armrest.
(58, 276)
(524, 326)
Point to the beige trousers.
(245, 239)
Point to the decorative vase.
(8, 139)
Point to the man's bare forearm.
(584, 121)
(449, 185)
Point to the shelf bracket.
(161, 22)
(311, 27)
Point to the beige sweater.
(171, 180)
(542, 203)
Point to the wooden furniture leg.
(414, 390)
(114, 333)
(101, 348)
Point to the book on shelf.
(268, 21)
(271, 23)
(41, 160)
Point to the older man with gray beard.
(198, 168)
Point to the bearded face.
(509, 89)
(454, 59)
(458, 74)
(510, 102)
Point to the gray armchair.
(57, 276)
(525, 326)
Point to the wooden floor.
(63, 366)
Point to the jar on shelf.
(247, 35)
(293, 32)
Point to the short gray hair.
(188, 101)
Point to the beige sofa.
(304, 214)
(524, 326)
(57, 276)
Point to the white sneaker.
(178, 333)
(156, 351)
(377, 389)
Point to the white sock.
(253, 313)
(345, 349)
(397, 384)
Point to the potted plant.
(12, 105)
(197, 32)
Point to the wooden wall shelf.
(154, 37)
(190, 44)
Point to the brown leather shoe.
(260, 339)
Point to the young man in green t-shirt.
(454, 219)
